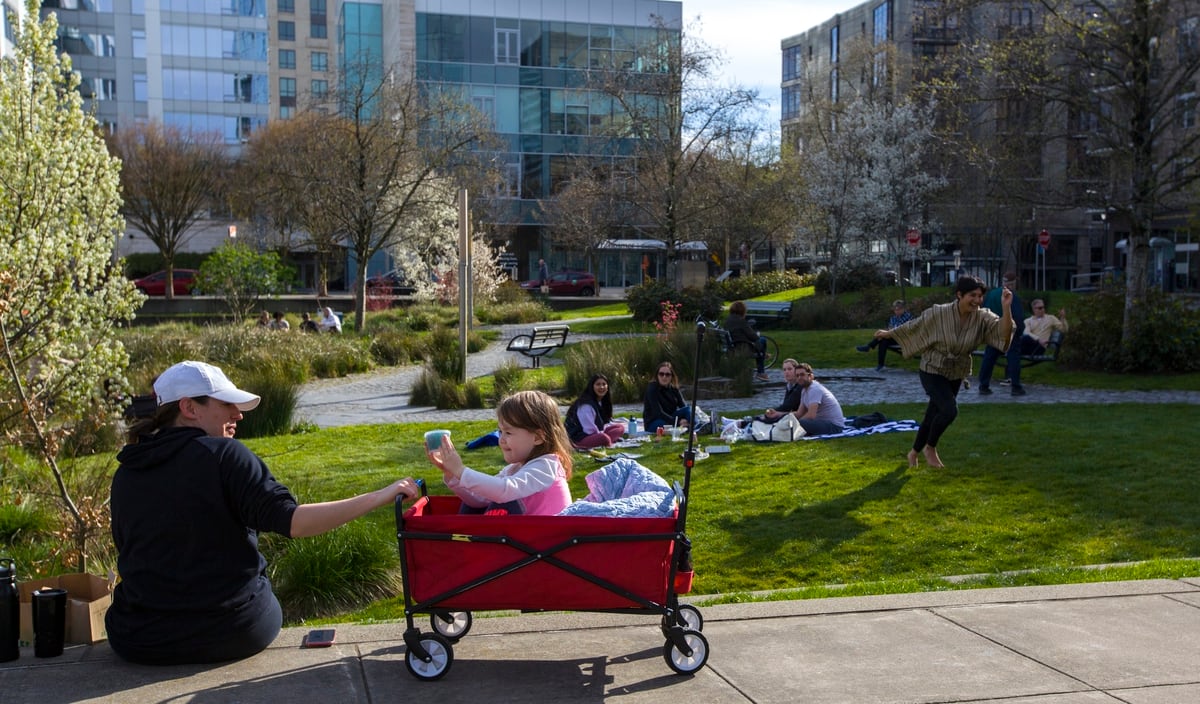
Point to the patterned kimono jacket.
(945, 342)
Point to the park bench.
(543, 340)
(769, 311)
(1050, 355)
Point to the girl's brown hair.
(537, 412)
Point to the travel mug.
(49, 622)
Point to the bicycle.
(727, 345)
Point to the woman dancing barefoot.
(944, 336)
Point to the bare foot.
(931, 456)
(912, 458)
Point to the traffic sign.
(1044, 238)
(913, 236)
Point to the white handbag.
(786, 429)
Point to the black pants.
(941, 411)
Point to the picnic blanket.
(624, 489)
(891, 426)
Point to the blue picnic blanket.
(624, 488)
(891, 426)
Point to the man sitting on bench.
(1039, 326)
(900, 316)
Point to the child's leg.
(591, 441)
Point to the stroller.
(454, 563)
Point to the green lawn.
(1041, 488)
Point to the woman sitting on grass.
(589, 419)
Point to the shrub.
(332, 573)
(393, 346)
(528, 310)
(820, 313)
(763, 284)
(1166, 336)
(645, 301)
(279, 386)
(507, 379)
(849, 278)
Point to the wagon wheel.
(451, 624)
(689, 617)
(441, 658)
(687, 664)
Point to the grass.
(1030, 496)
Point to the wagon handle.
(399, 504)
(689, 455)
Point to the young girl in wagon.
(538, 456)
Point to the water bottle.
(10, 611)
(633, 426)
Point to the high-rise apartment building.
(229, 66)
(886, 42)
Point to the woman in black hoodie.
(188, 502)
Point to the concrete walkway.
(1131, 642)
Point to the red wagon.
(454, 563)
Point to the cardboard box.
(88, 599)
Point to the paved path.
(1107, 643)
(382, 396)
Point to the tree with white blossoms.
(873, 182)
(61, 295)
(428, 255)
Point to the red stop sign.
(1044, 238)
(913, 236)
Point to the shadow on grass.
(814, 528)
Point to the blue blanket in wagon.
(624, 488)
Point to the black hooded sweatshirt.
(186, 512)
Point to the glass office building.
(523, 63)
(201, 65)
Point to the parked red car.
(156, 284)
(566, 283)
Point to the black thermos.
(10, 611)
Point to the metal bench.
(774, 311)
(543, 340)
(1050, 355)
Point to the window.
(286, 6)
(320, 88)
(139, 43)
(287, 31)
(320, 62)
(287, 92)
(287, 58)
(139, 87)
(286, 112)
(508, 46)
(881, 24)
(1185, 106)
(317, 19)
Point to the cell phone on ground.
(319, 638)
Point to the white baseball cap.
(192, 379)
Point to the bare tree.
(1107, 92)
(169, 179)
(669, 108)
(391, 138)
(278, 186)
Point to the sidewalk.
(1132, 642)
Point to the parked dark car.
(566, 283)
(393, 283)
(156, 284)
